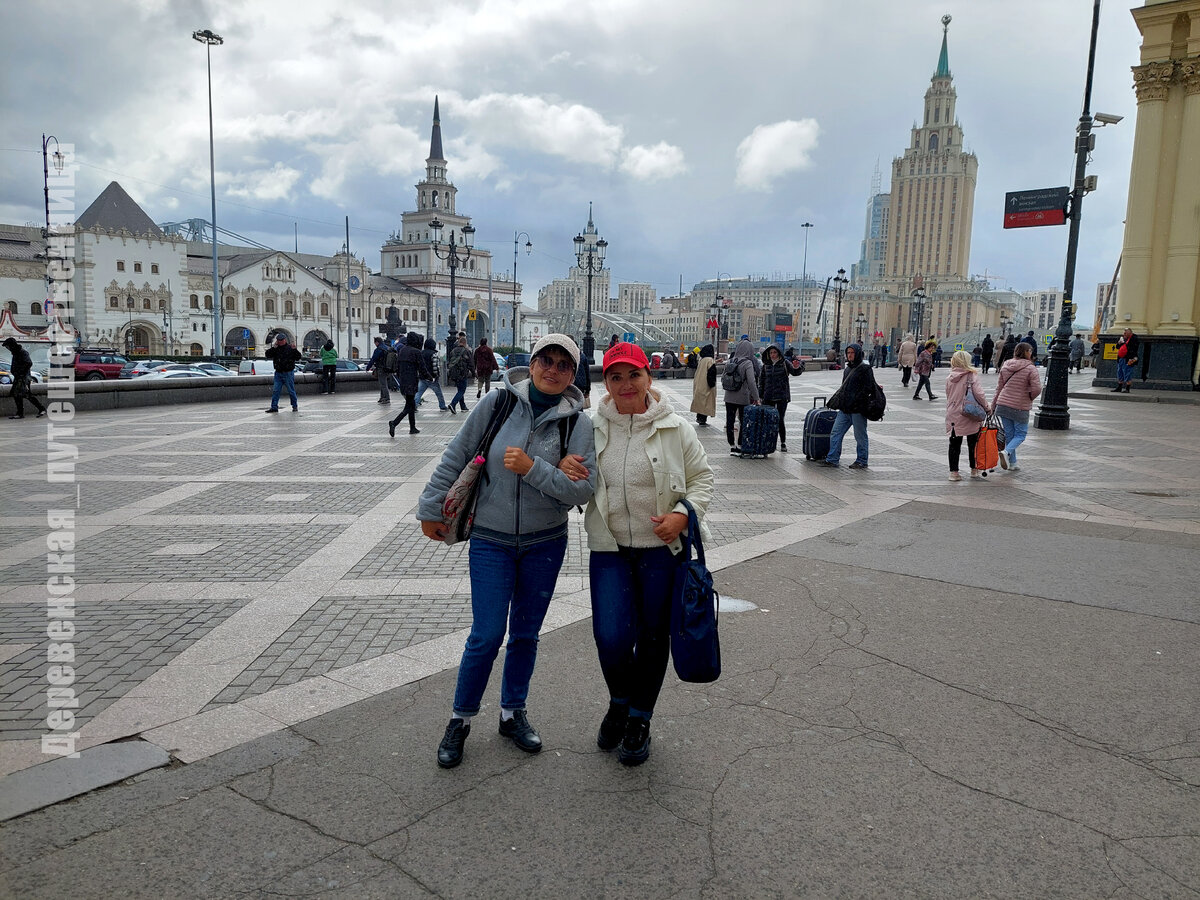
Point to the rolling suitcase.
(760, 431)
(818, 424)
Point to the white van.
(256, 367)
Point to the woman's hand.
(435, 531)
(572, 466)
(670, 526)
(517, 460)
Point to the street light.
(208, 39)
(453, 261)
(589, 254)
(129, 327)
(860, 323)
(516, 301)
(916, 317)
(645, 309)
(59, 161)
(840, 280)
(1054, 414)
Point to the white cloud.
(265, 184)
(572, 131)
(663, 160)
(770, 151)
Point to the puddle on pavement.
(733, 605)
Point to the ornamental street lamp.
(589, 254)
(516, 298)
(839, 292)
(59, 161)
(453, 260)
(860, 323)
(208, 39)
(917, 314)
(129, 327)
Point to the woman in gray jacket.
(519, 536)
(741, 365)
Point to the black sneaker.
(612, 729)
(857, 465)
(635, 748)
(274, 409)
(521, 732)
(450, 750)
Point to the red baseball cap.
(625, 353)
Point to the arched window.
(207, 301)
(397, 262)
(379, 312)
(289, 308)
(307, 308)
(291, 275)
(423, 316)
(35, 309)
(268, 305)
(162, 304)
(113, 302)
(266, 271)
(324, 309)
(193, 302)
(145, 303)
(933, 143)
(230, 304)
(249, 304)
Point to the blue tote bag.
(695, 648)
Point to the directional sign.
(1045, 206)
(629, 337)
(472, 314)
(960, 347)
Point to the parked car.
(256, 367)
(175, 373)
(517, 359)
(98, 364)
(314, 366)
(6, 375)
(501, 366)
(178, 367)
(138, 368)
(213, 368)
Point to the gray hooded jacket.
(511, 506)
(743, 357)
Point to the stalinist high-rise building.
(932, 195)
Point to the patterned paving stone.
(320, 464)
(93, 497)
(340, 631)
(127, 554)
(784, 497)
(117, 646)
(179, 465)
(253, 498)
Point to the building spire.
(943, 67)
(435, 139)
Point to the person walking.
(21, 368)
(987, 351)
(923, 369)
(378, 363)
(328, 367)
(283, 357)
(459, 369)
(773, 386)
(963, 380)
(1006, 350)
(583, 379)
(906, 358)
(704, 385)
(1076, 350)
(1032, 342)
(858, 387)
(1127, 355)
(740, 369)
(1016, 389)
(410, 370)
(648, 461)
(433, 366)
(485, 365)
(875, 363)
(519, 537)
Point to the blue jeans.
(509, 586)
(424, 385)
(284, 380)
(840, 426)
(631, 622)
(461, 384)
(1124, 371)
(1014, 434)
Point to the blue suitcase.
(818, 425)
(760, 431)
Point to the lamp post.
(1054, 414)
(589, 254)
(645, 309)
(917, 317)
(453, 260)
(860, 323)
(129, 327)
(59, 161)
(840, 280)
(516, 299)
(208, 39)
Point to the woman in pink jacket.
(1018, 387)
(962, 380)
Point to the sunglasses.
(562, 365)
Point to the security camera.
(1107, 118)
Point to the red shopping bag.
(987, 451)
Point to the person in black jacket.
(1006, 350)
(858, 387)
(987, 351)
(378, 363)
(284, 357)
(773, 385)
(411, 369)
(21, 366)
(430, 354)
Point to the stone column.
(1152, 83)
(1183, 239)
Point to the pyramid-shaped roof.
(113, 210)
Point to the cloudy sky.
(704, 131)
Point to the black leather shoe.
(450, 750)
(635, 748)
(612, 729)
(392, 429)
(521, 732)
